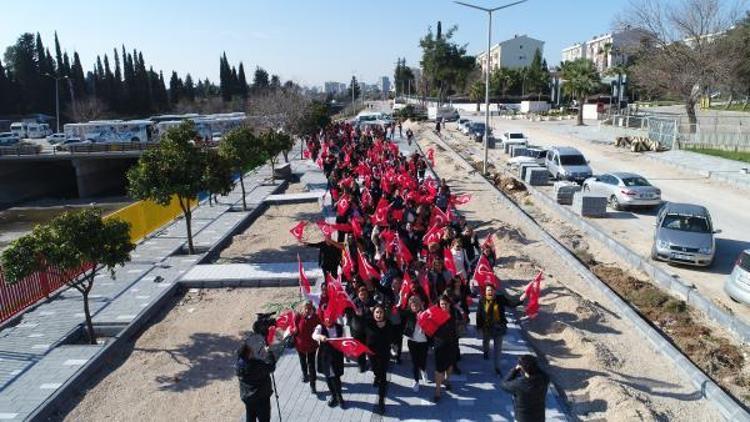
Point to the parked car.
(737, 285)
(514, 136)
(624, 190)
(8, 138)
(466, 128)
(684, 235)
(567, 163)
(476, 131)
(463, 121)
(56, 138)
(448, 114)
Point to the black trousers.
(307, 364)
(258, 409)
(418, 353)
(334, 387)
(380, 369)
(398, 340)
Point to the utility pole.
(487, 72)
(57, 98)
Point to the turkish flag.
(338, 299)
(438, 217)
(380, 217)
(489, 241)
(271, 335)
(298, 230)
(404, 251)
(403, 294)
(325, 228)
(347, 264)
(349, 346)
(398, 215)
(425, 283)
(533, 291)
(432, 319)
(343, 206)
(431, 185)
(460, 199)
(449, 263)
(306, 154)
(433, 235)
(285, 321)
(366, 199)
(357, 227)
(341, 227)
(304, 283)
(366, 270)
(431, 156)
(484, 273)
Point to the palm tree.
(477, 92)
(581, 79)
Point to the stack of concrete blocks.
(518, 151)
(537, 176)
(523, 168)
(508, 144)
(564, 192)
(588, 205)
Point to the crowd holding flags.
(398, 261)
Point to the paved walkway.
(40, 354)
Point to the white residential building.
(605, 50)
(513, 53)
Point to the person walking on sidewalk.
(379, 337)
(416, 341)
(304, 343)
(254, 367)
(491, 321)
(446, 345)
(528, 384)
(330, 361)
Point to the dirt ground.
(606, 370)
(181, 367)
(268, 238)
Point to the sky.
(307, 41)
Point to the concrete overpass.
(63, 174)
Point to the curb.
(718, 177)
(725, 404)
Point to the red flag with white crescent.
(484, 273)
(432, 319)
(299, 230)
(460, 199)
(349, 346)
(357, 227)
(433, 235)
(342, 206)
(425, 283)
(325, 228)
(403, 294)
(366, 270)
(448, 261)
(438, 217)
(533, 291)
(489, 241)
(431, 156)
(304, 283)
(347, 264)
(285, 321)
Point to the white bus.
(111, 131)
(30, 129)
(208, 126)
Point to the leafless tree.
(85, 110)
(278, 109)
(681, 52)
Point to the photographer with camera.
(528, 384)
(255, 364)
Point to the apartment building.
(513, 53)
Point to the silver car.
(684, 235)
(624, 190)
(737, 285)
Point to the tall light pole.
(487, 72)
(57, 98)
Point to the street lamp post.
(487, 72)
(57, 98)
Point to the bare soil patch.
(181, 367)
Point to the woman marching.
(417, 341)
(379, 336)
(446, 346)
(330, 361)
(304, 343)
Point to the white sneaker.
(415, 386)
(424, 376)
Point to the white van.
(20, 129)
(30, 129)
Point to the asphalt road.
(728, 205)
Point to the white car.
(624, 190)
(56, 138)
(515, 137)
(8, 138)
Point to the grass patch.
(743, 156)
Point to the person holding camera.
(255, 363)
(304, 343)
(528, 384)
(330, 361)
(491, 321)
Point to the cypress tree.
(242, 81)
(59, 58)
(189, 88)
(175, 88)
(79, 82)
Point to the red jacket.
(303, 340)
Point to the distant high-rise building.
(384, 85)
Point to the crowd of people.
(405, 261)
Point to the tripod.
(276, 393)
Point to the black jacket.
(488, 322)
(528, 395)
(255, 377)
(379, 339)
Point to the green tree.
(537, 75)
(316, 117)
(354, 86)
(174, 168)
(477, 92)
(66, 244)
(445, 64)
(217, 174)
(273, 143)
(580, 79)
(261, 83)
(243, 151)
(403, 77)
